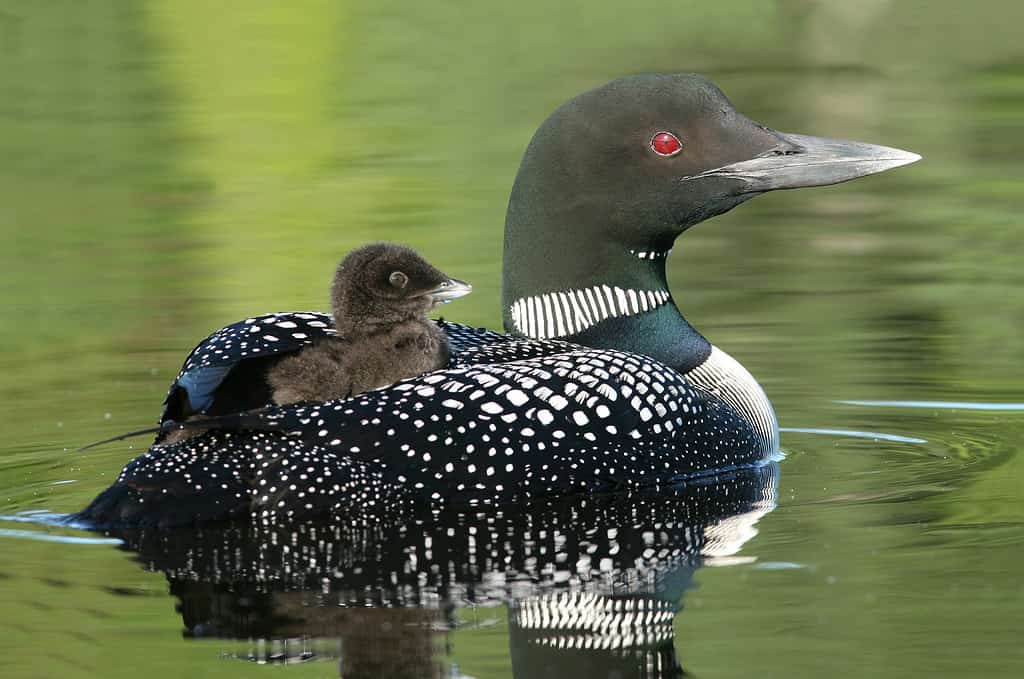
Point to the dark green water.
(169, 167)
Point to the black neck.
(662, 334)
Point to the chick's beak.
(450, 289)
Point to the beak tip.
(907, 157)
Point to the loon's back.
(511, 420)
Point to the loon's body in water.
(600, 384)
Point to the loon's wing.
(463, 337)
(570, 420)
(226, 372)
(215, 363)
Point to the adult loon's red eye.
(666, 144)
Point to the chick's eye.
(666, 144)
(398, 279)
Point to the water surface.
(172, 167)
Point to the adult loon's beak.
(451, 289)
(801, 160)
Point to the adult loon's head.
(610, 180)
(382, 284)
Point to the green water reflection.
(168, 167)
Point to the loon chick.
(308, 356)
(380, 296)
(600, 384)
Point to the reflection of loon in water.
(592, 583)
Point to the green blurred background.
(169, 167)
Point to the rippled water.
(171, 167)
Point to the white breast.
(724, 377)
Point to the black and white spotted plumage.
(529, 419)
(511, 420)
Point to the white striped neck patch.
(564, 313)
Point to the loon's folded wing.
(462, 337)
(250, 342)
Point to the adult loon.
(601, 383)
